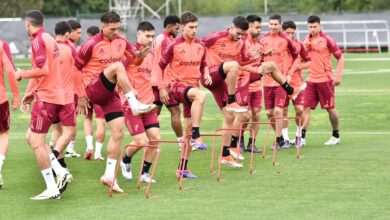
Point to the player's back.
(5, 62)
(160, 44)
(67, 54)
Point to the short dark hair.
(145, 26)
(314, 19)
(276, 17)
(62, 27)
(93, 30)
(171, 19)
(289, 24)
(241, 22)
(188, 17)
(110, 17)
(253, 18)
(74, 25)
(35, 17)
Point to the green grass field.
(347, 181)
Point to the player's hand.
(143, 52)
(15, 103)
(269, 52)
(337, 83)
(26, 101)
(208, 81)
(256, 54)
(17, 75)
(288, 78)
(262, 70)
(164, 96)
(307, 43)
(83, 105)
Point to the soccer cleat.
(71, 154)
(98, 157)
(286, 144)
(63, 180)
(107, 181)
(1, 181)
(236, 108)
(126, 170)
(228, 160)
(142, 109)
(294, 142)
(242, 146)
(255, 149)
(52, 193)
(88, 154)
(235, 152)
(145, 178)
(333, 141)
(186, 174)
(198, 144)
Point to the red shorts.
(5, 118)
(44, 114)
(242, 95)
(179, 92)
(97, 109)
(101, 91)
(139, 124)
(171, 103)
(274, 97)
(319, 92)
(255, 99)
(218, 87)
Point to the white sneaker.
(108, 182)
(63, 180)
(1, 181)
(146, 179)
(48, 194)
(333, 141)
(71, 154)
(231, 162)
(126, 170)
(98, 157)
(236, 154)
(142, 109)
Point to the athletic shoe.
(145, 178)
(142, 109)
(228, 160)
(88, 154)
(52, 193)
(186, 174)
(98, 157)
(236, 108)
(1, 181)
(242, 146)
(126, 170)
(107, 181)
(255, 149)
(294, 142)
(71, 154)
(333, 141)
(235, 152)
(198, 144)
(286, 144)
(63, 180)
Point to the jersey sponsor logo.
(101, 51)
(144, 70)
(189, 63)
(227, 56)
(111, 60)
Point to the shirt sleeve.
(210, 39)
(10, 67)
(165, 59)
(40, 66)
(333, 48)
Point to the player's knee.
(269, 113)
(201, 97)
(118, 134)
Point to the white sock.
(180, 139)
(98, 148)
(70, 147)
(56, 165)
(89, 140)
(131, 98)
(2, 158)
(49, 178)
(285, 133)
(110, 168)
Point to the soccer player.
(75, 35)
(296, 80)
(6, 62)
(160, 44)
(187, 59)
(285, 56)
(99, 117)
(320, 81)
(146, 127)
(46, 85)
(99, 63)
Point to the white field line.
(19, 135)
(367, 59)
